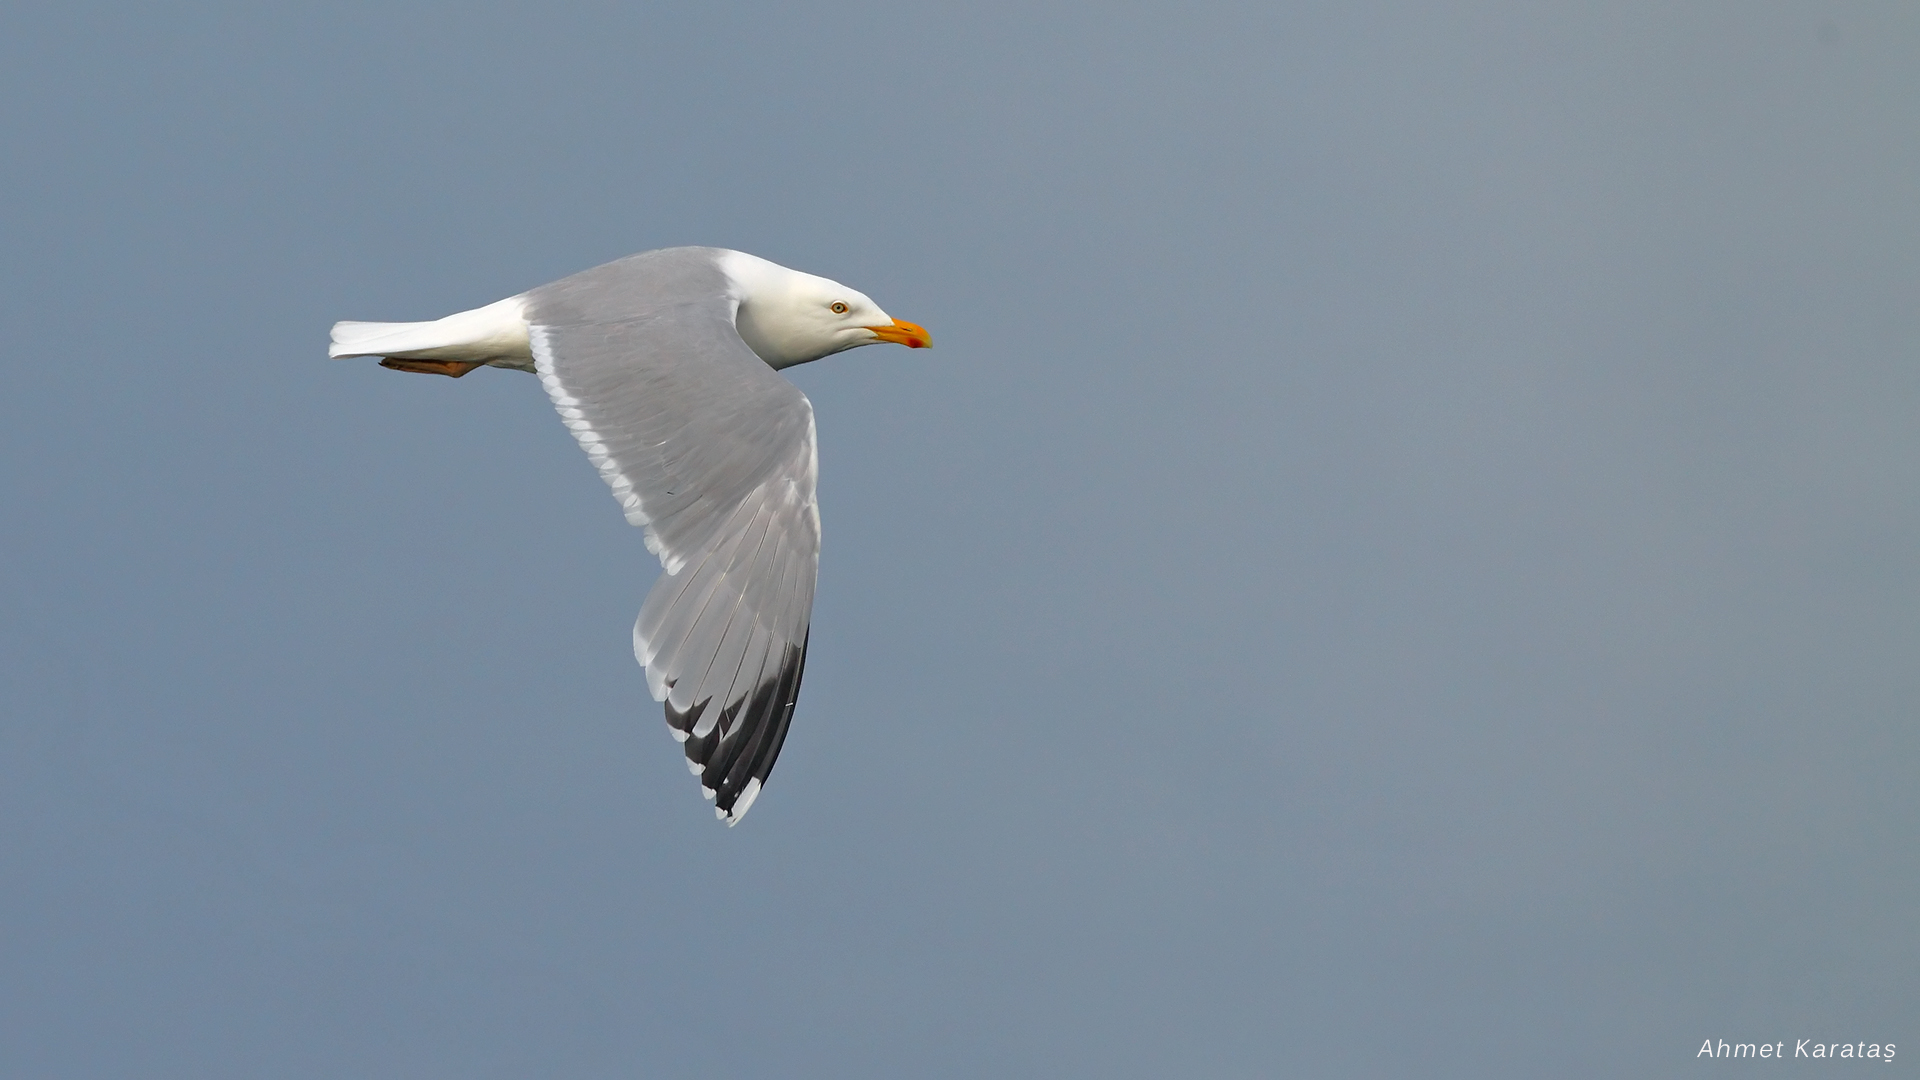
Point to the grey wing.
(713, 453)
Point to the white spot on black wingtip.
(747, 795)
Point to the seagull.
(662, 365)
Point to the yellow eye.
(839, 308)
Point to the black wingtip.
(737, 755)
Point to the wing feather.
(712, 453)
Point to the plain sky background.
(1404, 560)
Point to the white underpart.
(495, 334)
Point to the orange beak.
(904, 333)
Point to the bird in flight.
(662, 365)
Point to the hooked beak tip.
(900, 332)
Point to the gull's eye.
(838, 308)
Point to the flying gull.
(662, 365)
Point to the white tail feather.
(496, 333)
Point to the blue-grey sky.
(1404, 560)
